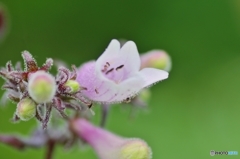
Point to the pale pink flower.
(116, 75)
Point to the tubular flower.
(116, 75)
(108, 145)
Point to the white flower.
(116, 75)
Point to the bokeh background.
(194, 111)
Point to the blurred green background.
(194, 111)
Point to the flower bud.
(108, 145)
(135, 149)
(41, 87)
(73, 85)
(26, 109)
(156, 59)
(145, 95)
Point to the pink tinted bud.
(108, 145)
(41, 87)
(156, 59)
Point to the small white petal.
(112, 50)
(130, 57)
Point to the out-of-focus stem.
(12, 141)
(105, 111)
(50, 149)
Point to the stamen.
(106, 67)
(119, 67)
(84, 88)
(96, 91)
(109, 71)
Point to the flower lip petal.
(152, 75)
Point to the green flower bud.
(26, 109)
(73, 85)
(41, 87)
(135, 149)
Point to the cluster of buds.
(36, 91)
(119, 75)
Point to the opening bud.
(156, 59)
(73, 85)
(26, 109)
(108, 145)
(41, 86)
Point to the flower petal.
(111, 51)
(98, 88)
(130, 56)
(103, 90)
(126, 89)
(152, 75)
(121, 63)
(108, 145)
